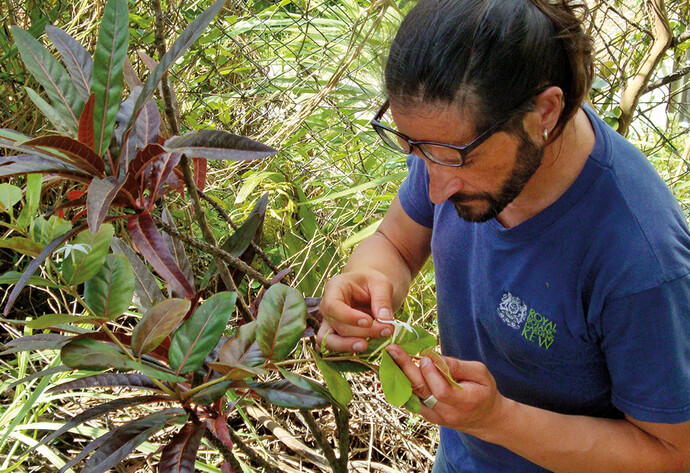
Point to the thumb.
(462, 370)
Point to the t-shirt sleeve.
(646, 341)
(414, 193)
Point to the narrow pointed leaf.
(285, 394)
(281, 321)
(337, 384)
(396, 386)
(99, 197)
(52, 320)
(151, 64)
(41, 341)
(311, 385)
(94, 413)
(147, 124)
(146, 290)
(22, 245)
(200, 169)
(186, 38)
(109, 293)
(52, 115)
(25, 164)
(180, 454)
(12, 277)
(150, 243)
(162, 169)
(144, 158)
(80, 154)
(131, 77)
(441, 365)
(80, 266)
(50, 371)
(132, 380)
(127, 437)
(177, 249)
(200, 333)
(157, 324)
(109, 58)
(218, 145)
(34, 265)
(123, 116)
(75, 57)
(32, 197)
(85, 132)
(51, 75)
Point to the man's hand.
(475, 407)
(351, 304)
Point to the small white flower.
(72, 248)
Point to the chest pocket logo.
(512, 310)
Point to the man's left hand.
(473, 408)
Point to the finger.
(473, 371)
(338, 307)
(381, 294)
(411, 370)
(438, 385)
(335, 342)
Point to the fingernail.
(359, 346)
(363, 322)
(386, 332)
(385, 314)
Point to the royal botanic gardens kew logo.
(533, 326)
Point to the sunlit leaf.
(441, 365)
(281, 321)
(86, 131)
(9, 195)
(337, 384)
(51, 320)
(157, 324)
(200, 333)
(32, 196)
(80, 266)
(396, 386)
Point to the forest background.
(304, 77)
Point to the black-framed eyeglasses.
(444, 154)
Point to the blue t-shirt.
(582, 309)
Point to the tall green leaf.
(32, 196)
(281, 321)
(396, 386)
(109, 58)
(52, 115)
(51, 75)
(109, 293)
(80, 266)
(157, 324)
(200, 333)
(337, 384)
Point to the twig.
(228, 456)
(321, 440)
(251, 454)
(224, 256)
(342, 420)
(226, 217)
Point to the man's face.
(493, 175)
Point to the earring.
(546, 134)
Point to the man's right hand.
(351, 304)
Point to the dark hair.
(491, 56)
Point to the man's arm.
(558, 442)
(374, 282)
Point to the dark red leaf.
(28, 163)
(94, 412)
(100, 195)
(85, 134)
(74, 195)
(161, 171)
(200, 168)
(219, 428)
(147, 124)
(180, 454)
(278, 277)
(81, 155)
(132, 380)
(217, 144)
(177, 249)
(41, 341)
(150, 243)
(143, 158)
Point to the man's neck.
(562, 163)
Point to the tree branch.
(666, 80)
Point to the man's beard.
(529, 158)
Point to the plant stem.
(321, 440)
(226, 452)
(342, 420)
(184, 161)
(251, 454)
(193, 391)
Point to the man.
(562, 260)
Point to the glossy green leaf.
(337, 384)
(44, 231)
(32, 196)
(50, 113)
(109, 293)
(80, 266)
(51, 320)
(413, 404)
(12, 277)
(396, 386)
(413, 343)
(157, 324)
(281, 321)
(200, 333)
(109, 58)
(9, 195)
(211, 394)
(51, 75)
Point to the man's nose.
(443, 182)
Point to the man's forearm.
(580, 444)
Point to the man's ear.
(549, 106)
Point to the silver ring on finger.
(430, 401)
